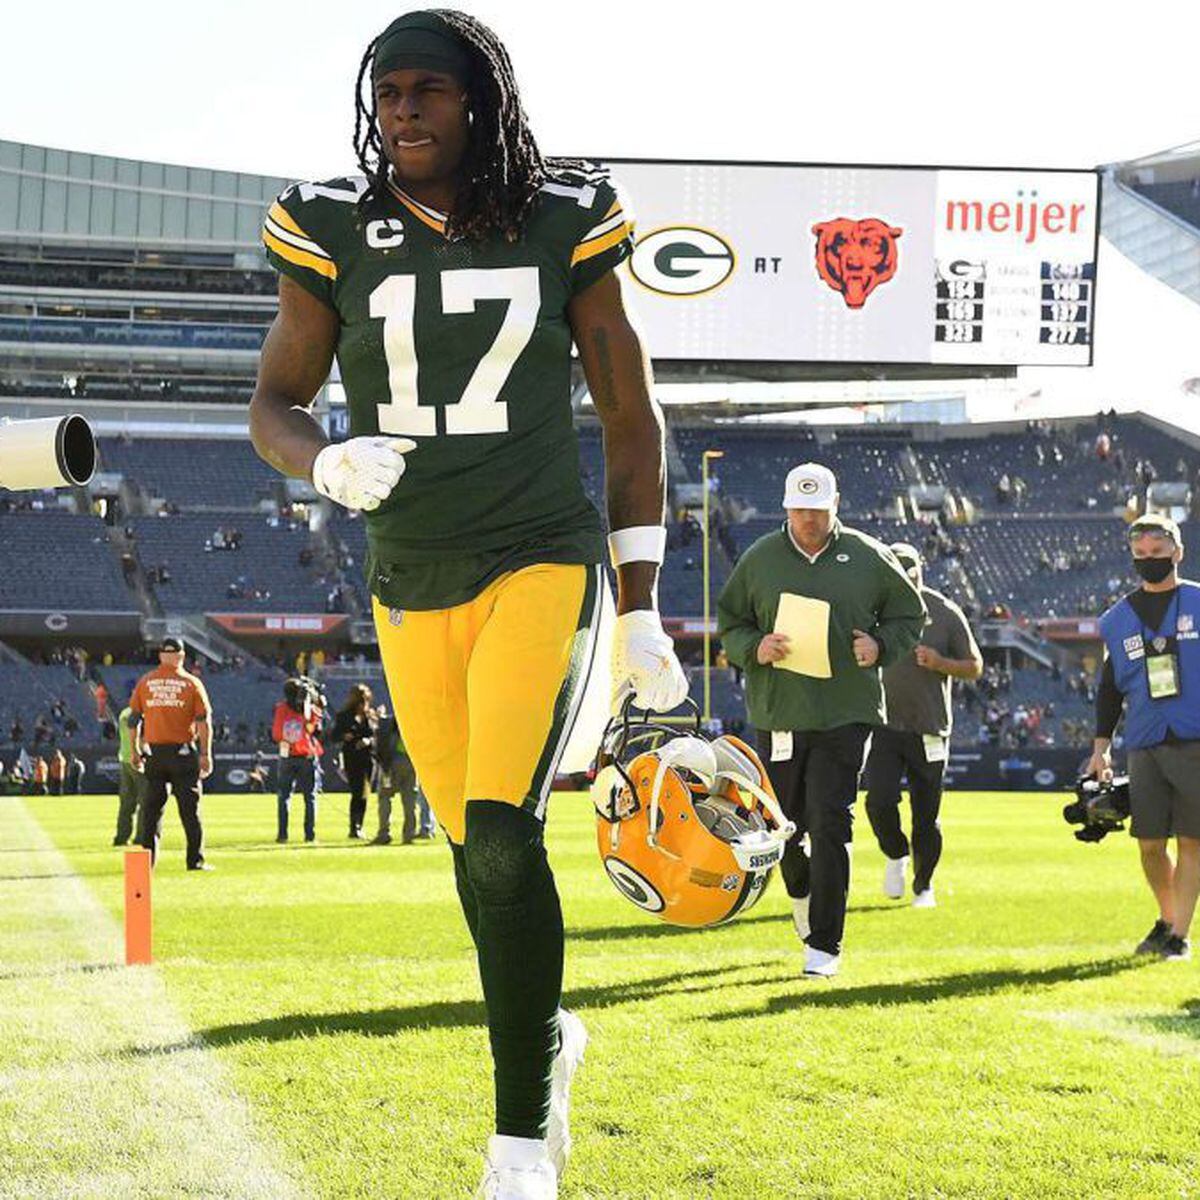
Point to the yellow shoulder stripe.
(598, 245)
(281, 216)
(302, 258)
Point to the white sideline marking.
(88, 1109)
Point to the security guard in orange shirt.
(172, 709)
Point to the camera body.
(1100, 807)
(303, 691)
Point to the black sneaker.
(1154, 941)
(201, 866)
(1176, 949)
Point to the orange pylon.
(138, 914)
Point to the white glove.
(644, 662)
(361, 473)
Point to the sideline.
(80, 1115)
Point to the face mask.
(1154, 570)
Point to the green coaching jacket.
(866, 589)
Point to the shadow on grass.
(820, 994)
(450, 1014)
(1186, 1022)
(655, 929)
(274, 847)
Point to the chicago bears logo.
(855, 257)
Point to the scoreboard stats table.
(788, 263)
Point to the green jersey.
(466, 348)
(125, 736)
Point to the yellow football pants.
(485, 693)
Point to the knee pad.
(503, 851)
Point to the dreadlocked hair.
(502, 168)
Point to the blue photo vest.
(1148, 722)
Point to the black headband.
(421, 40)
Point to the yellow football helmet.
(688, 827)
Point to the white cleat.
(517, 1169)
(893, 878)
(572, 1044)
(800, 917)
(925, 899)
(820, 964)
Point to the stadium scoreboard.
(891, 265)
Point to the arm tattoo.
(604, 389)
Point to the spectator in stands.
(132, 781)
(101, 696)
(1152, 669)
(915, 741)
(295, 729)
(16, 731)
(173, 738)
(353, 738)
(814, 720)
(396, 774)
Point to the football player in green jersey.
(450, 280)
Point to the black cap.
(170, 645)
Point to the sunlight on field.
(1004, 1045)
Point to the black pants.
(179, 767)
(894, 754)
(358, 768)
(817, 788)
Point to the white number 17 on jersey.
(479, 409)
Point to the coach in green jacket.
(813, 727)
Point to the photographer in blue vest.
(1152, 669)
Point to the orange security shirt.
(169, 703)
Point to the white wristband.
(638, 543)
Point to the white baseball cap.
(810, 485)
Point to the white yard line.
(105, 1092)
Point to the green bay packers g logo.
(681, 260)
(634, 885)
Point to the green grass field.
(313, 1026)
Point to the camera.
(1101, 808)
(301, 688)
